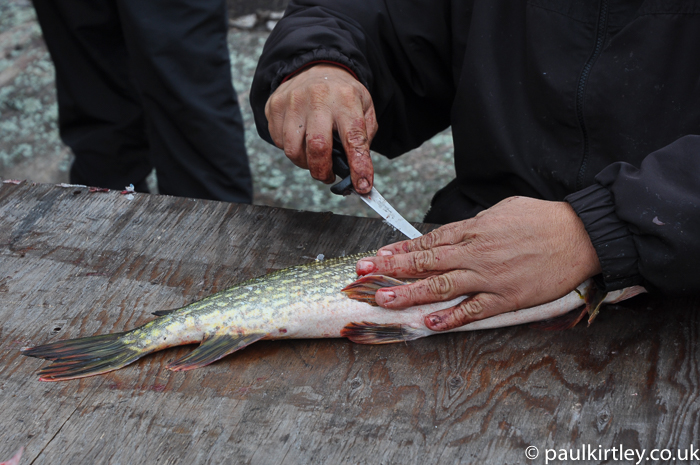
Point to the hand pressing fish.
(322, 299)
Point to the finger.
(438, 288)
(418, 264)
(449, 234)
(274, 113)
(353, 132)
(287, 101)
(319, 144)
(294, 143)
(371, 120)
(285, 113)
(474, 308)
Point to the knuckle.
(428, 241)
(347, 93)
(388, 266)
(316, 144)
(470, 308)
(514, 298)
(297, 98)
(423, 260)
(294, 156)
(357, 135)
(273, 102)
(440, 285)
(290, 151)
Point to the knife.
(374, 199)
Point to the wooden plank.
(74, 263)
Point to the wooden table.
(75, 263)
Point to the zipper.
(601, 27)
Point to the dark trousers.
(147, 83)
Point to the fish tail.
(87, 356)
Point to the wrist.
(585, 252)
(319, 63)
(611, 237)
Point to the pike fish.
(322, 299)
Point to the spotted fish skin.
(322, 299)
(303, 301)
(290, 303)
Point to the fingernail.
(385, 253)
(389, 296)
(365, 267)
(434, 320)
(363, 184)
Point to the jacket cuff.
(308, 65)
(297, 64)
(610, 236)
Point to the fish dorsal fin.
(213, 348)
(374, 333)
(164, 312)
(364, 288)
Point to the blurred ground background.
(31, 149)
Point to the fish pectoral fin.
(364, 288)
(212, 348)
(374, 333)
(164, 312)
(594, 299)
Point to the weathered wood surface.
(74, 263)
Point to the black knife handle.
(341, 168)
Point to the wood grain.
(74, 263)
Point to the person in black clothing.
(144, 84)
(575, 134)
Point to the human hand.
(305, 110)
(519, 253)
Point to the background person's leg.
(180, 61)
(100, 116)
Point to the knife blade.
(374, 199)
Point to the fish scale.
(316, 300)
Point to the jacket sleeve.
(645, 222)
(400, 51)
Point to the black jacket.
(592, 102)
